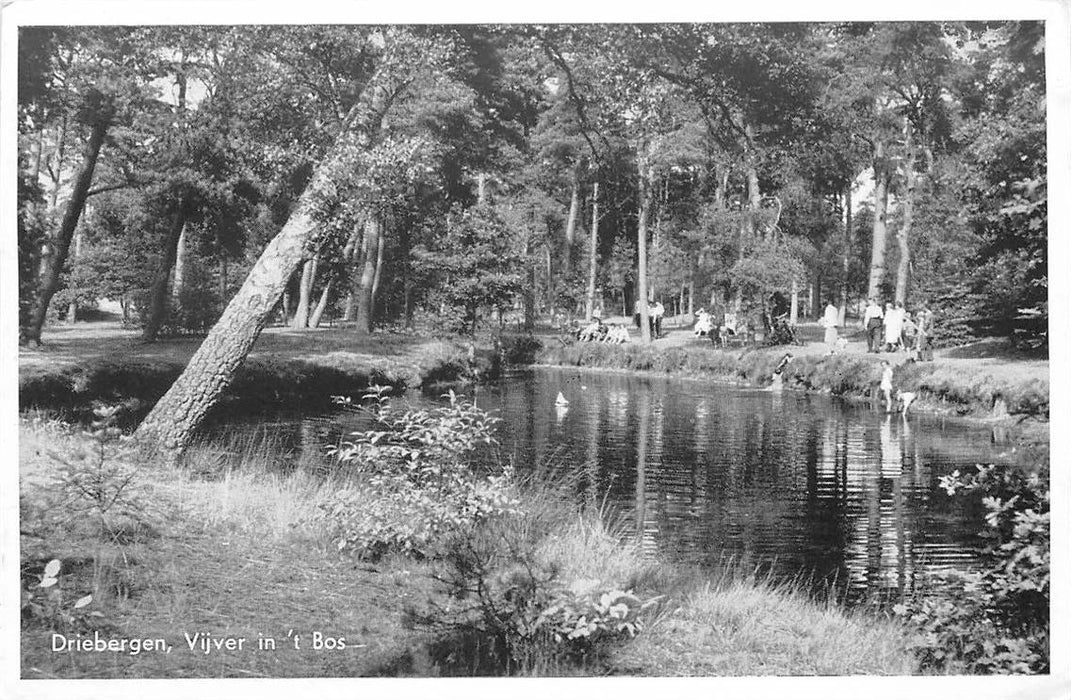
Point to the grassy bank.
(941, 385)
(81, 366)
(226, 545)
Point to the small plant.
(99, 481)
(45, 601)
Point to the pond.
(844, 495)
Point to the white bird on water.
(561, 400)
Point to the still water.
(841, 494)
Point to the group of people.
(655, 312)
(894, 329)
(597, 331)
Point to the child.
(886, 384)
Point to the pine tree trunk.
(61, 241)
(368, 274)
(308, 276)
(881, 207)
(170, 425)
(589, 308)
(641, 239)
(159, 295)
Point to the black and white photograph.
(369, 345)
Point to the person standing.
(829, 320)
(886, 384)
(923, 328)
(657, 312)
(894, 325)
(872, 324)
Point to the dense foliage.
(743, 164)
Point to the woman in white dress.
(894, 325)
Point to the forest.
(459, 177)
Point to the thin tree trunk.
(379, 266)
(842, 312)
(589, 308)
(159, 296)
(62, 239)
(72, 308)
(570, 224)
(318, 312)
(180, 269)
(170, 425)
(881, 207)
(794, 308)
(641, 239)
(308, 276)
(368, 273)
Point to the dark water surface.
(811, 486)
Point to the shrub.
(418, 488)
(997, 620)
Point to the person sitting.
(617, 334)
(593, 331)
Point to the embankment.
(940, 386)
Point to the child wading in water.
(886, 384)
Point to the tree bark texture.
(180, 269)
(61, 241)
(72, 308)
(589, 308)
(158, 296)
(881, 207)
(849, 239)
(368, 275)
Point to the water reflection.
(841, 493)
(836, 492)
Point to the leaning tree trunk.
(159, 295)
(61, 242)
(321, 306)
(368, 276)
(170, 425)
(641, 240)
(589, 308)
(881, 208)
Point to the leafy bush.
(516, 603)
(997, 620)
(520, 349)
(418, 487)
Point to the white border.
(95, 12)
